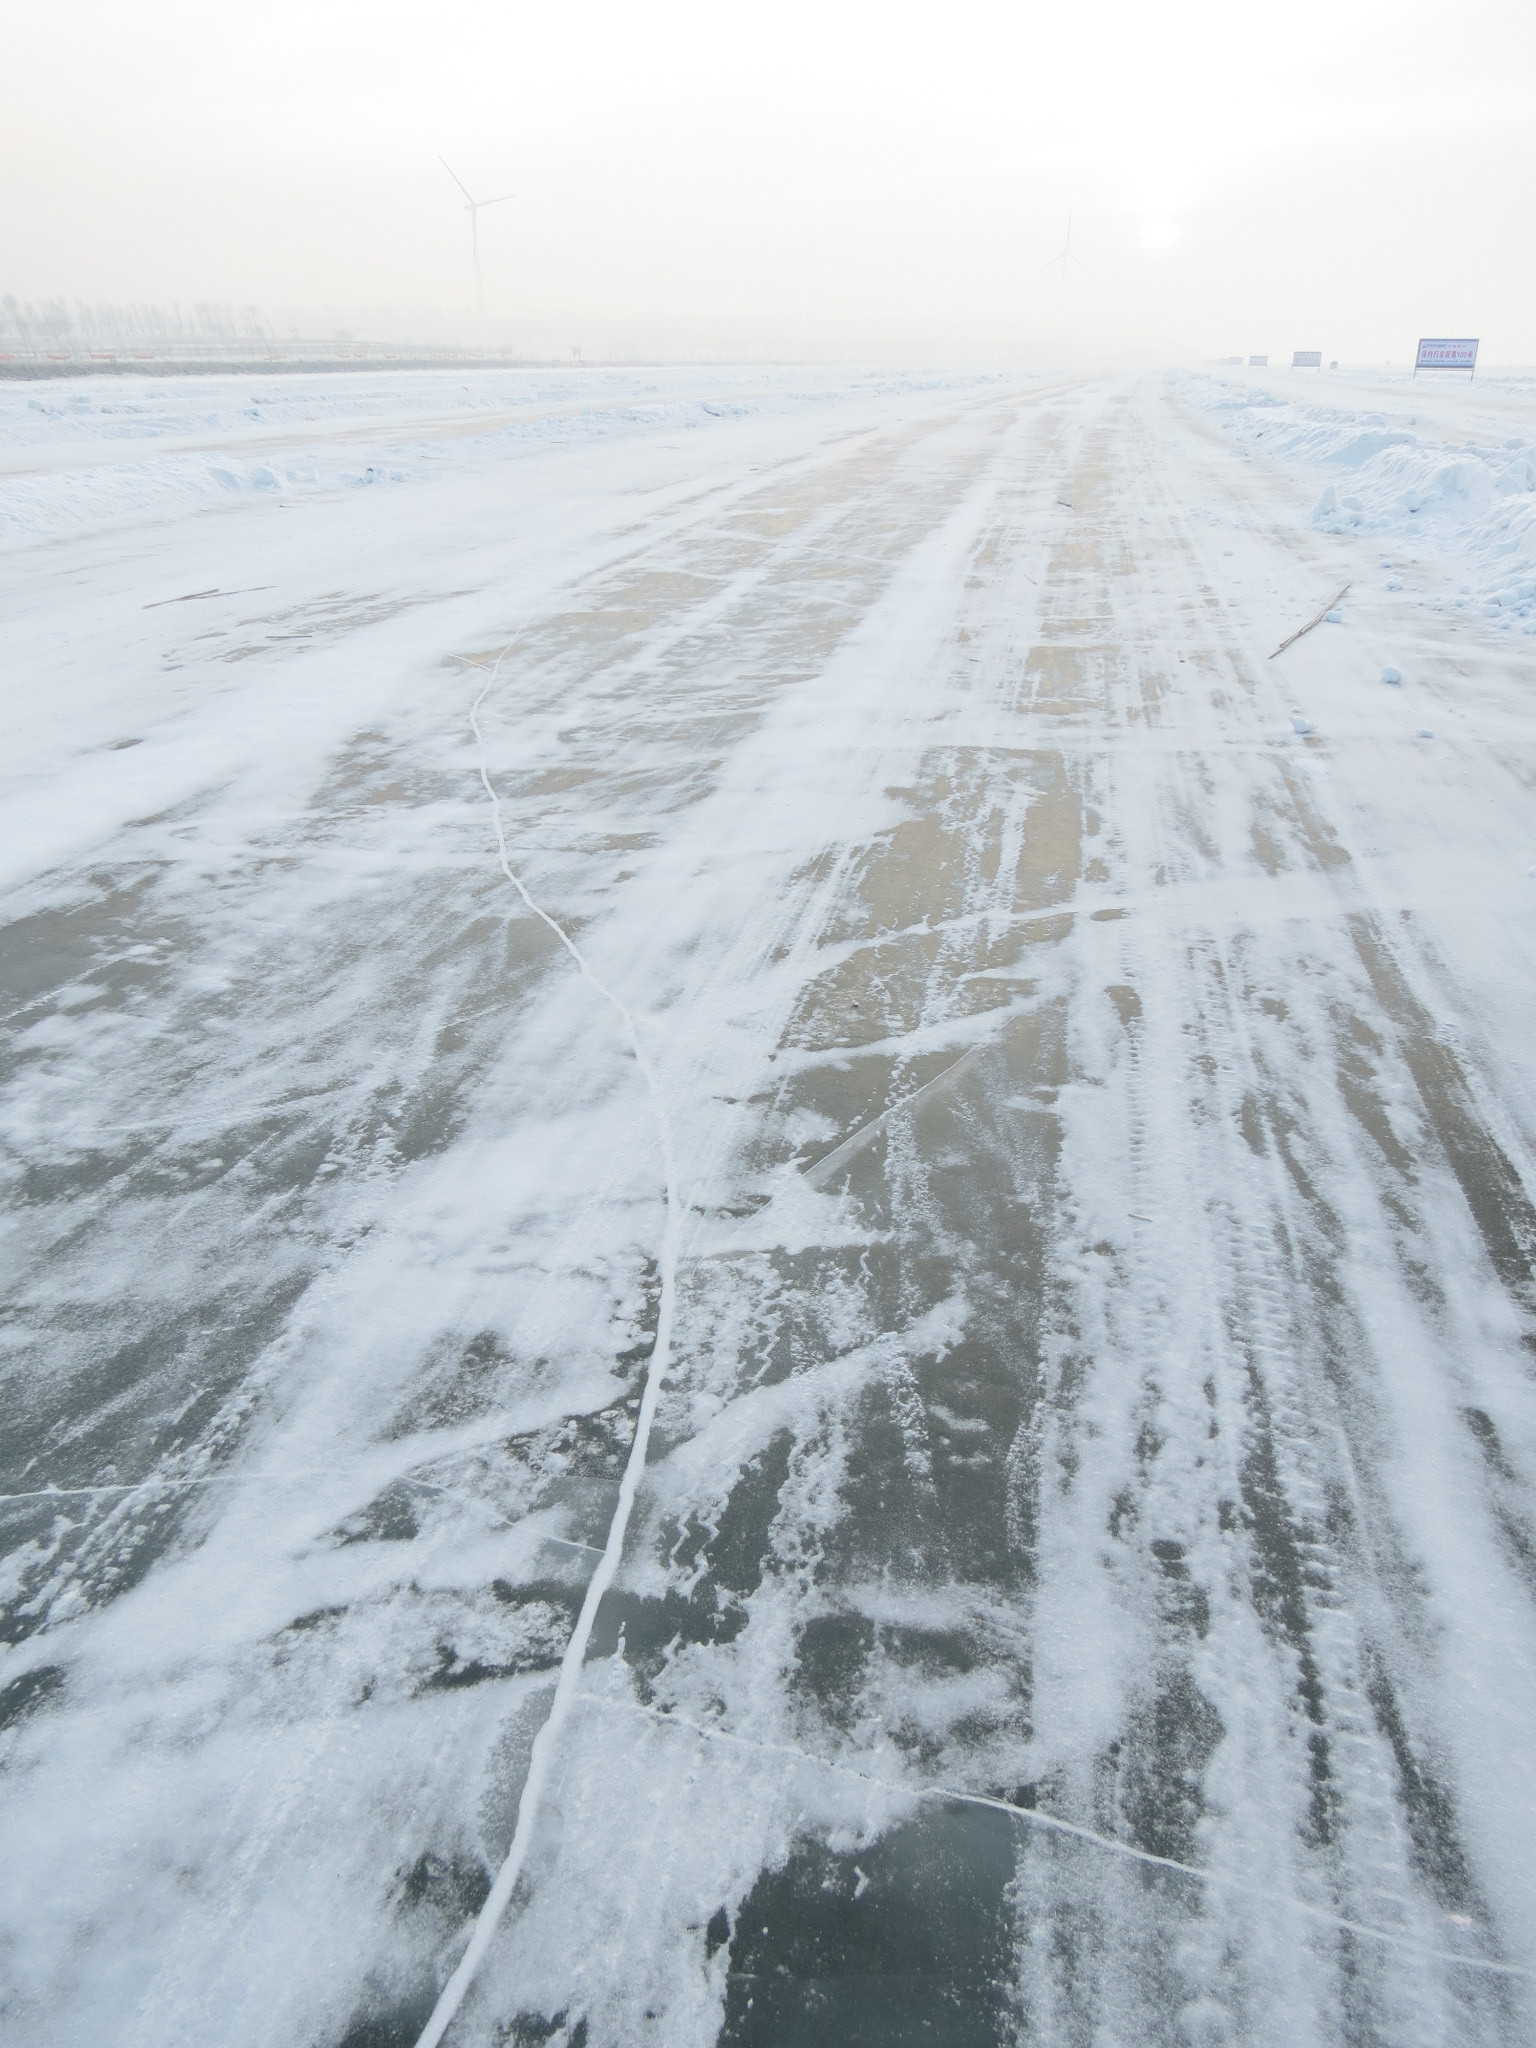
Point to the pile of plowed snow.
(1471, 501)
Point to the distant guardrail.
(237, 356)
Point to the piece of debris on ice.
(1301, 725)
(1391, 675)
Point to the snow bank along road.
(1008, 1114)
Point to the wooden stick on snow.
(1327, 608)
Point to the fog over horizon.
(855, 181)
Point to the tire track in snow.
(1152, 1319)
(548, 1737)
(1495, 1188)
(1300, 1449)
(1247, 1261)
(1288, 1477)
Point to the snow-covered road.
(1076, 1578)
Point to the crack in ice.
(452, 1996)
(1039, 1817)
(821, 1170)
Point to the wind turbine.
(473, 210)
(1065, 259)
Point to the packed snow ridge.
(1409, 477)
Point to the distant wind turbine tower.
(1066, 259)
(473, 209)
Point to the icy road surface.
(781, 935)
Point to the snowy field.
(769, 1234)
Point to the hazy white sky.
(1344, 174)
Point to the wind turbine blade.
(448, 167)
(498, 200)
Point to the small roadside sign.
(1307, 359)
(1439, 354)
